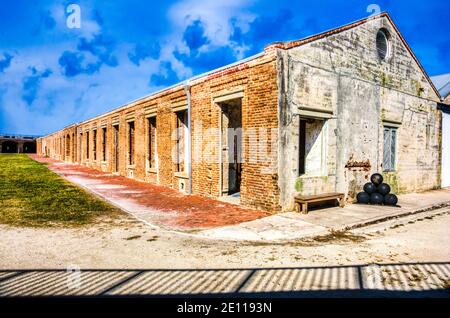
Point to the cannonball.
(376, 198)
(383, 188)
(390, 199)
(363, 197)
(369, 188)
(376, 178)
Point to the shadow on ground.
(376, 280)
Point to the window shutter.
(393, 143)
(387, 150)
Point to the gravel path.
(127, 243)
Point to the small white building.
(442, 83)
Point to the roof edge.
(175, 86)
(267, 50)
(295, 43)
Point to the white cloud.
(61, 101)
(215, 17)
(89, 27)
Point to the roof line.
(413, 55)
(444, 86)
(291, 44)
(275, 45)
(19, 135)
(310, 38)
(196, 77)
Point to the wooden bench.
(301, 202)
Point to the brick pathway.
(156, 204)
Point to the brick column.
(140, 144)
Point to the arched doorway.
(29, 147)
(9, 147)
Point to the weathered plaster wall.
(341, 77)
(315, 152)
(446, 150)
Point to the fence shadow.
(376, 280)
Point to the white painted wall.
(445, 150)
(315, 149)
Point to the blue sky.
(52, 75)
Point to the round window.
(383, 45)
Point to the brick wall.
(257, 79)
(336, 77)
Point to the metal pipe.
(187, 89)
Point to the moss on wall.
(391, 178)
(418, 87)
(384, 79)
(383, 114)
(299, 184)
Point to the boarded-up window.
(181, 139)
(104, 144)
(152, 142)
(81, 147)
(116, 147)
(87, 145)
(131, 143)
(67, 147)
(389, 148)
(94, 145)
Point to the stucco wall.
(342, 78)
(446, 150)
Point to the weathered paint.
(342, 77)
(336, 77)
(446, 149)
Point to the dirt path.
(128, 243)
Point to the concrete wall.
(447, 100)
(20, 145)
(446, 150)
(445, 175)
(342, 79)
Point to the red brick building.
(239, 130)
(147, 139)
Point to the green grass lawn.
(32, 195)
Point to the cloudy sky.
(52, 75)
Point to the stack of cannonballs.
(377, 192)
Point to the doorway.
(116, 148)
(231, 144)
(68, 148)
(9, 147)
(29, 147)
